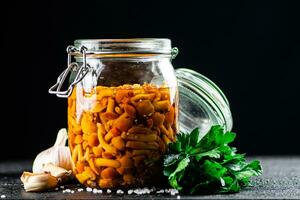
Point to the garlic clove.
(59, 154)
(52, 175)
(38, 182)
(58, 172)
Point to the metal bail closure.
(174, 52)
(72, 66)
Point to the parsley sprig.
(207, 164)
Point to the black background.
(248, 48)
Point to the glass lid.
(201, 102)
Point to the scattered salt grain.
(120, 192)
(95, 191)
(67, 191)
(62, 187)
(3, 196)
(137, 191)
(142, 191)
(147, 190)
(160, 191)
(130, 191)
(173, 191)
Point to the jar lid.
(132, 45)
(202, 103)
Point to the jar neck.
(125, 57)
(127, 46)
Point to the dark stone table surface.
(280, 180)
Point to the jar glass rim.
(123, 46)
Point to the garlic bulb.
(59, 154)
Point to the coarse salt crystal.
(72, 191)
(120, 192)
(146, 190)
(178, 196)
(95, 191)
(62, 187)
(173, 191)
(130, 191)
(3, 196)
(137, 191)
(108, 191)
(66, 191)
(79, 189)
(88, 189)
(142, 191)
(160, 191)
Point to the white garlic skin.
(58, 155)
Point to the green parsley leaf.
(180, 167)
(196, 164)
(194, 137)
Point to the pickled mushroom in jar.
(121, 139)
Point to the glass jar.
(122, 109)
